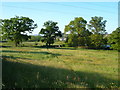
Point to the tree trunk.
(16, 44)
(49, 44)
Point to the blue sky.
(62, 12)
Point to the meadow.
(31, 66)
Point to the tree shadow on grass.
(25, 75)
(5, 46)
(15, 58)
(42, 52)
(53, 47)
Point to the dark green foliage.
(50, 32)
(97, 40)
(72, 40)
(84, 38)
(114, 39)
(0, 30)
(16, 29)
(97, 27)
(79, 35)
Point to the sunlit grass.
(59, 67)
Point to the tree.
(97, 27)
(16, 28)
(50, 32)
(114, 39)
(72, 40)
(35, 38)
(0, 29)
(78, 31)
(97, 40)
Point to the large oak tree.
(78, 34)
(50, 32)
(16, 28)
(97, 27)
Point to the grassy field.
(35, 67)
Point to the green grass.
(33, 67)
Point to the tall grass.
(34, 67)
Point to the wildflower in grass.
(37, 75)
(28, 81)
(15, 84)
(74, 78)
(78, 79)
(67, 77)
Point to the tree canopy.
(97, 27)
(114, 39)
(50, 32)
(78, 31)
(16, 28)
